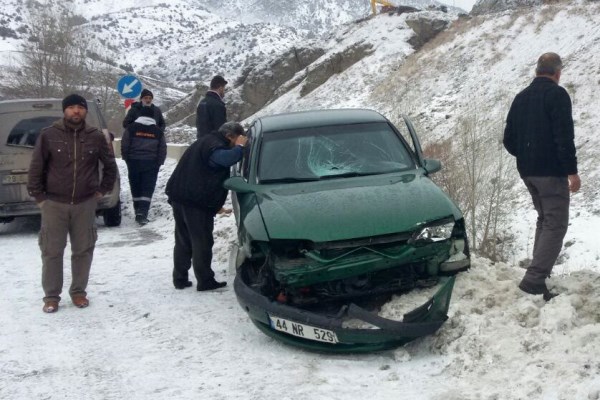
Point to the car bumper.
(382, 333)
(27, 208)
(9, 210)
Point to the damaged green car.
(335, 214)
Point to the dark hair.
(231, 128)
(217, 81)
(548, 64)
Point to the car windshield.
(331, 151)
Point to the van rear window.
(26, 131)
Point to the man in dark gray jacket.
(64, 179)
(540, 134)
(211, 112)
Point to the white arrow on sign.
(128, 87)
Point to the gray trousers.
(550, 197)
(78, 221)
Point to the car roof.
(314, 118)
(19, 104)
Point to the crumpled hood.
(349, 208)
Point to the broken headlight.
(435, 232)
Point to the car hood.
(346, 208)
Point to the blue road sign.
(129, 86)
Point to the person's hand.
(98, 195)
(224, 211)
(241, 140)
(574, 183)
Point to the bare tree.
(478, 175)
(57, 60)
(52, 62)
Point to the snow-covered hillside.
(186, 42)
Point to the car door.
(409, 134)
(242, 169)
(20, 125)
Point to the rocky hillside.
(328, 72)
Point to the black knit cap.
(74, 100)
(217, 81)
(145, 93)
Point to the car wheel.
(112, 216)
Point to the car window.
(245, 164)
(26, 131)
(21, 127)
(331, 151)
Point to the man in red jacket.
(540, 134)
(64, 179)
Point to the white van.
(20, 124)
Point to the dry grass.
(545, 16)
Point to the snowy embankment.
(142, 339)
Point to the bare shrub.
(477, 173)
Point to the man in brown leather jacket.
(65, 181)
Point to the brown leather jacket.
(65, 164)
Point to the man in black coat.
(134, 112)
(211, 112)
(195, 191)
(540, 134)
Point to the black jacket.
(193, 182)
(539, 130)
(210, 114)
(143, 140)
(134, 113)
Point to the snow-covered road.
(142, 339)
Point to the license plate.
(303, 331)
(14, 179)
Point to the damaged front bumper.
(327, 331)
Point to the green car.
(336, 213)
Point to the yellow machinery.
(385, 5)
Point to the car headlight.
(434, 233)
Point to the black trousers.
(193, 243)
(142, 181)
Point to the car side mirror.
(238, 184)
(432, 165)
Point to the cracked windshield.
(332, 151)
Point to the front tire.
(112, 216)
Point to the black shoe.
(211, 285)
(140, 219)
(533, 288)
(182, 285)
(548, 295)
